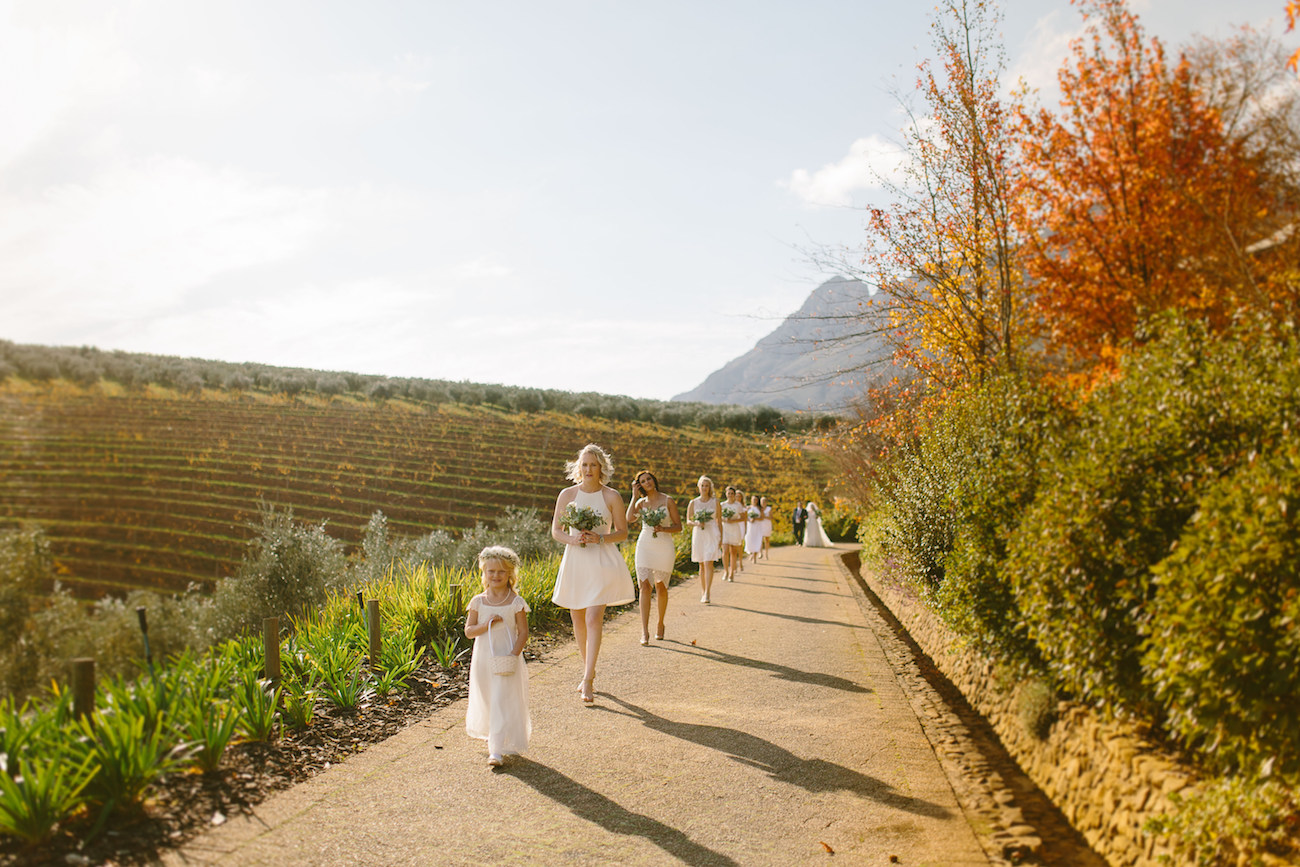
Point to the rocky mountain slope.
(817, 359)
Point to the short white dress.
(498, 706)
(655, 556)
(733, 532)
(706, 541)
(754, 535)
(596, 574)
(767, 522)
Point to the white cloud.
(1042, 55)
(859, 170)
(406, 75)
(482, 268)
(50, 69)
(142, 233)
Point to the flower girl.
(498, 678)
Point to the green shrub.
(953, 497)
(840, 524)
(1118, 491)
(989, 441)
(1234, 820)
(1223, 656)
(26, 569)
(917, 530)
(290, 566)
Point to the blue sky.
(606, 196)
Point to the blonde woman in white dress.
(733, 534)
(706, 535)
(655, 550)
(592, 572)
(814, 536)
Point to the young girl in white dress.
(592, 572)
(655, 551)
(733, 534)
(497, 620)
(706, 535)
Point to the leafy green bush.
(1234, 820)
(953, 497)
(917, 530)
(290, 566)
(1223, 655)
(26, 567)
(840, 524)
(1117, 493)
(990, 441)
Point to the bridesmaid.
(592, 572)
(733, 534)
(767, 525)
(655, 551)
(754, 530)
(706, 537)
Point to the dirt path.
(778, 725)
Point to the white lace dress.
(498, 706)
(814, 536)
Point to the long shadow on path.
(612, 816)
(813, 775)
(782, 672)
(815, 621)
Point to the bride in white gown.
(814, 536)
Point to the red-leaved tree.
(1136, 197)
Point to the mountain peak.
(816, 359)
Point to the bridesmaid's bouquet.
(704, 516)
(653, 518)
(728, 512)
(582, 519)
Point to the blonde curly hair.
(505, 555)
(573, 470)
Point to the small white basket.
(502, 664)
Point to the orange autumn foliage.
(1136, 198)
(1292, 13)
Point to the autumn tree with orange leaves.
(1292, 13)
(950, 295)
(1137, 198)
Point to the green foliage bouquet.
(704, 516)
(654, 518)
(728, 512)
(581, 518)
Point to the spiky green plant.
(39, 795)
(258, 702)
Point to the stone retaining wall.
(1104, 776)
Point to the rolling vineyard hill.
(156, 489)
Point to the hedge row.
(1139, 549)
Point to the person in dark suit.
(799, 520)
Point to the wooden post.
(271, 649)
(83, 686)
(455, 596)
(376, 640)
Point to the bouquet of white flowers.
(581, 518)
(654, 518)
(728, 512)
(704, 516)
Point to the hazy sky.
(607, 196)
